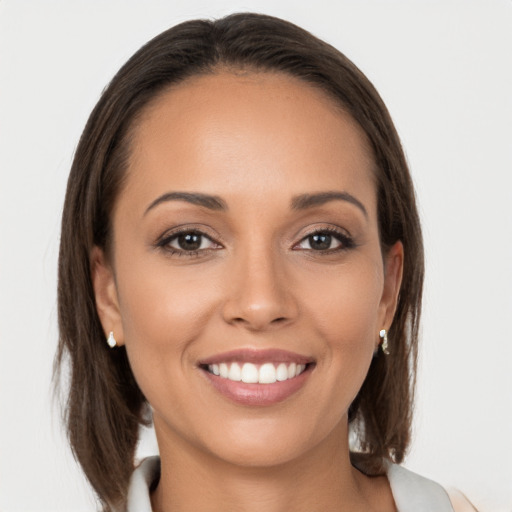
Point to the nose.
(260, 296)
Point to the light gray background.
(444, 70)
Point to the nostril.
(254, 323)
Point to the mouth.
(257, 377)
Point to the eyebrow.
(205, 200)
(305, 201)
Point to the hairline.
(129, 139)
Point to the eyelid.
(345, 239)
(176, 236)
(164, 240)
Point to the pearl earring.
(111, 340)
(384, 337)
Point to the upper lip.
(257, 356)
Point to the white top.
(412, 493)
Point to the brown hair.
(105, 406)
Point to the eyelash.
(165, 243)
(346, 242)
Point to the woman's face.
(246, 245)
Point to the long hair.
(105, 407)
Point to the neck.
(323, 479)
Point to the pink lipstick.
(257, 377)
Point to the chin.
(266, 443)
(259, 453)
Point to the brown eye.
(322, 241)
(325, 241)
(188, 242)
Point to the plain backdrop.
(444, 68)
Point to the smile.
(250, 373)
(257, 377)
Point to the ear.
(105, 293)
(393, 269)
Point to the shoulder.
(460, 502)
(410, 489)
(414, 492)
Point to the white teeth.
(282, 372)
(234, 372)
(223, 370)
(249, 373)
(267, 374)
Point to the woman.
(240, 226)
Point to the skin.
(256, 141)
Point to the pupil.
(320, 241)
(189, 242)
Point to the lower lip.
(258, 394)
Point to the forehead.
(230, 132)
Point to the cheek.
(345, 303)
(154, 309)
(345, 314)
(163, 313)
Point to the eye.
(187, 243)
(325, 240)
